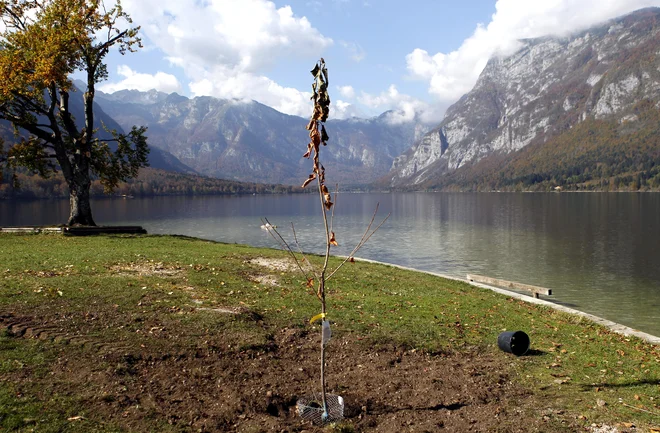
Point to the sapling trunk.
(318, 136)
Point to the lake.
(599, 252)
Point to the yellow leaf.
(317, 317)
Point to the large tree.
(42, 44)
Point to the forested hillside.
(578, 112)
(593, 155)
(150, 182)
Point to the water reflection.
(597, 251)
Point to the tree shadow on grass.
(535, 352)
(587, 387)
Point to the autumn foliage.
(316, 128)
(43, 43)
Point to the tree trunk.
(81, 210)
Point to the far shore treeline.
(150, 182)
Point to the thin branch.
(102, 49)
(305, 259)
(31, 128)
(44, 157)
(327, 230)
(21, 100)
(640, 409)
(17, 20)
(332, 216)
(363, 240)
(283, 244)
(366, 231)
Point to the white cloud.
(133, 80)
(346, 91)
(226, 47)
(404, 107)
(344, 110)
(450, 75)
(355, 51)
(223, 82)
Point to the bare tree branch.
(304, 258)
(283, 244)
(363, 240)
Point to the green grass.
(94, 285)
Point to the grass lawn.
(163, 333)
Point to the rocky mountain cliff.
(249, 141)
(537, 95)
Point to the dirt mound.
(220, 384)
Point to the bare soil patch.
(146, 269)
(218, 383)
(281, 265)
(266, 280)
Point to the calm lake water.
(599, 252)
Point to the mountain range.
(573, 112)
(578, 111)
(249, 141)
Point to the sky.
(416, 57)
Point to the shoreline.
(613, 326)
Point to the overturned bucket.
(516, 342)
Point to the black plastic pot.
(516, 342)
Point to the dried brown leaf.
(309, 180)
(309, 150)
(310, 283)
(333, 241)
(316, 138)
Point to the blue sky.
(414, 56)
